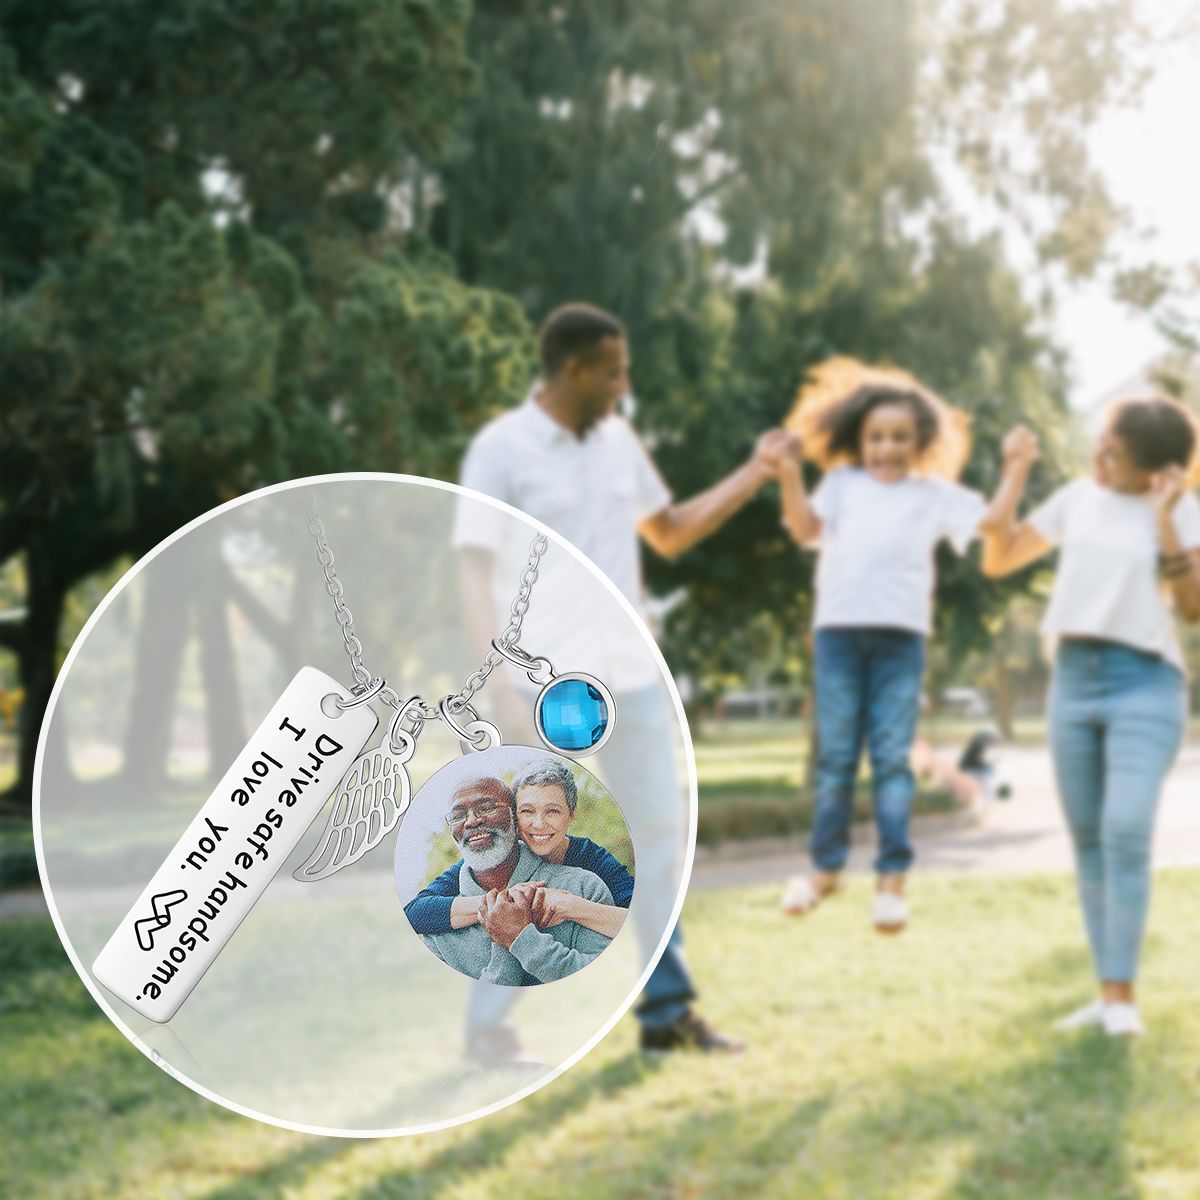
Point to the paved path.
(1023, 834)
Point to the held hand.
(771, 450)
(1167, 487)
(552, 906)
(1020, 447)
(485, 902)
(505, 915)
(528, 890)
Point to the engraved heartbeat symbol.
(147, 927)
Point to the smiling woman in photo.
(546, 802)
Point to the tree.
(208, 276)
(753, 186)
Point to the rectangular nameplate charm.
(233, 846)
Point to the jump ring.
(475, 731)
(531, 665)
(401, 743)
(406, 712)
(370, 691)
(486, 730)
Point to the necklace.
(309, 746)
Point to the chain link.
(333, 585)
(512, 633)
(345, 619)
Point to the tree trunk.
(37, 651)
(1002, 687)
(222, 700)
(161, 639)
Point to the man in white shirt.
(567, 458)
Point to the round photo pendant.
(515, 866)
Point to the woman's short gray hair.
(549, 771)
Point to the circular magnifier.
(325, 1009)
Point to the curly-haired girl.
(891, 451)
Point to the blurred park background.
(242, 242)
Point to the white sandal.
(890, 912)
(1122, 1020)
(799, 897)
(1083, 1018)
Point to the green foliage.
(208, 280)
(598, 817)
(639, 155)
(443, 854)
(419, 360)
(1011, 91)
(18, 862)
(243, 241)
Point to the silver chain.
(345, 619)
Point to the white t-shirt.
(1107, 585)
(594, 491)
(877, 543)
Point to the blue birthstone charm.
(572, 715)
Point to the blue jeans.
(868, 687)
(1116, 721)
(643, 780)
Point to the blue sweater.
(429, 910)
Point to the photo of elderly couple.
(525, 902)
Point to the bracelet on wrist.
(1174, 566)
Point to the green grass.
(18, 862)
(751, 777)
(913, 1068)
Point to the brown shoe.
(494, 1046)
(689, 1032)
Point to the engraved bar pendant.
(233, 846)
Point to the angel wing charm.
(372, 797)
